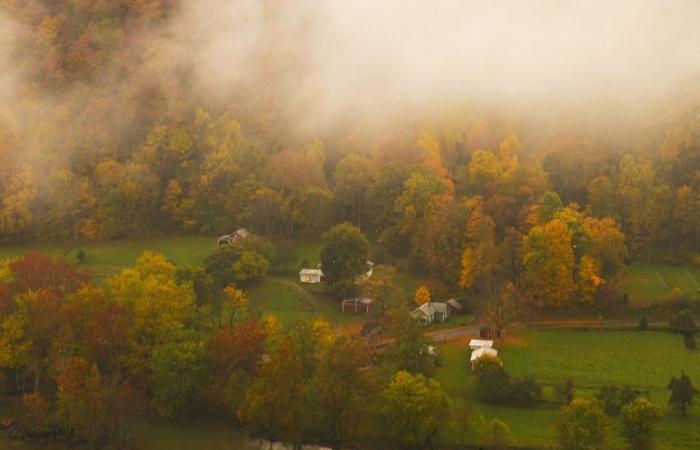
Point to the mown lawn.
(645, 360)
(649, 283)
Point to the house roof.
(430, 308)
(483, 351)
(316, 272)
(478, 343)
(359, 300)
(454, 303)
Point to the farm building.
(229, 239)
(311, 276)
(481, 352)
(430, 312)
(476, 344)
(362, 278)
(362, 305)
(454, 306)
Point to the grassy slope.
(591, 359)
(650, 282)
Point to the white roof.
(311, 272)
(478, 343)
(455, 303)
(483, 351)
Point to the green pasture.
(644, 360)
(650, 283)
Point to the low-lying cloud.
(377, 58)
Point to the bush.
(524, 391)
(628, 395)
(582, 425)
(639, 420)
(682, 321)
(643, 324)
(495, 385)
(608, 395)
(565, 391)
(689, 342)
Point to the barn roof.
(483, 351)
(317, 272)
(479, 343)
(454, 303)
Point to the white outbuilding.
(481, 352)
(476, 344)
(312, 276)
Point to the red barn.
(362, 305)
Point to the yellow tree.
(150, 290)
(422, 295)
(589, 279)
(235, 302)
(548, 263)
(432, 157)
(479, 257)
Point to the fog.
(324, 62)
(338, 59)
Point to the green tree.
(344, 256)
(409, 350)
(177, 368)
(414, 408)
(276, 400)
(250, 267)
(383, 287)
(342, 386)
(582, 425)
(639, 420)
(682, 393)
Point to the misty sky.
(344, 58)
(362, 55)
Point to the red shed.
(362, 305)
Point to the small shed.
(313, 276)
(455, 306)
(363, 277)
(476, 344)
(362, 305)
(481, 352)
(229, 239)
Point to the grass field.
(648, 283)
(279, 294)
(107, 258)
(645, 360)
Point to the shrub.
(523, 391)
(682, 321)
(608, 395)
(628, 395)
(495, 385)
(565, 391)
(638, 422)
(689, 342)
(492, 379)
(643, 324)
(582, 425)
